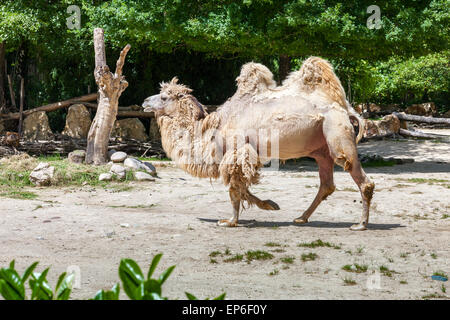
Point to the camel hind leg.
(327, 187)
(262, 204)
(340, 138)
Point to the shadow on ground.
(312, 224)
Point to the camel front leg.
(366, 188)
(236, 203)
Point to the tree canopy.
(205, 42)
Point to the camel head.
(174, 100)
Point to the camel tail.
(317, 73)
(352, 114)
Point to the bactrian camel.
(307, 116)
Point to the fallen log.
(124, 112)
(52, 106)
(410, 117)
(420, 134)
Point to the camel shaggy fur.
(307, 116)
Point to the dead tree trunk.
(22, 99)
(110, 87)
(414, 118)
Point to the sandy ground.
(92, 229)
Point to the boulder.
(422, 109)
(42, 175)
(105, 177)
(388, 125)
(150, 168)
(36, 127)
(131, 128)
(119, 156)
(133, 163)
(77, 156)
(154, 132)
(142, 176)
(78, 122)
(118, 170)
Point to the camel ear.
(174, 80)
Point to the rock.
(142, 176)
(447, 114)
(78, 122)
(133, 163)
(154, 132)
(423, 109)
(105, 177)
(110, 152)
(42, 174)
(125, 225)
(118, 156)
(77, 156)
(150, 168)
(131, 128)
(36, 127)
(373, 108)
(118, 170)
(388, 125)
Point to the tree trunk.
(2, 76)
(22, 99)
(284, 67)
(420, 134)
(110, 87)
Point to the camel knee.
(367, 190)
(327, 191)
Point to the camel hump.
(318, 74)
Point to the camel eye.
(164, 97)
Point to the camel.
(308, 115)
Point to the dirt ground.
(92, 229)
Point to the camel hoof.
(226, 223)
(300, 220)
(270, 205)
(358, 227)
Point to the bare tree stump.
(110, 87)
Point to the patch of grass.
(403, 282)
(355, 268)
(278, 250)
(433, 255)
(427, 180)
(272, 244)
(235, 258)
(227, 252)
(21, 195)
(258, 255)
(440, 273)
(213, 261)
(318, 243)
(149, 159)
(349, 281)
(215, 254)
(309, 256)
(404, 255)
(349, 189)
(445, 216)
(288, 260)
(360, 249)
(434, 296)
(385, 270)
(120, 188)
(443, 288)
(37, 207)
(274, 272)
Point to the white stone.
(118, 156)
(105, 177)
(142, 176)
(133, 163)
(147, 166)
(118, 170)
(42, 174)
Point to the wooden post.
(110, 87)
(11, 92)
(284, 67)
(22, 98)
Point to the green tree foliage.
(205, 42)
